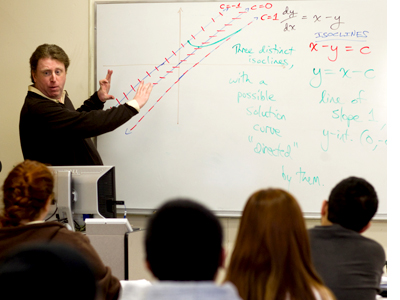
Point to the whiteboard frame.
(220, 213)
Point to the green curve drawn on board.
(203, 46)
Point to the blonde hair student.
(271, 259)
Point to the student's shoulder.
(372, 244)
(326, 231)
(63, 234)
(334, 232)
(343, 235)
(133, 289)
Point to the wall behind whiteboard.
(289, 94)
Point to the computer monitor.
(84, 190)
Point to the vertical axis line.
(179, 59)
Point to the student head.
(184, 242)
(27, 193)
(352, 203)
(46, 271)
(272, 254)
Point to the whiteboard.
(249, 95)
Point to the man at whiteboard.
(350, 264)
(51, 130)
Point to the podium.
(110, 237)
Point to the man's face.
(50, 77)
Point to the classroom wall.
(24, 25)
(69, 23)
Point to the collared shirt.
(32, 88)
(35, 222)
(179, 290)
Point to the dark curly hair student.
(27, 196)
(26, 192)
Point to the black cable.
(52, 214)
